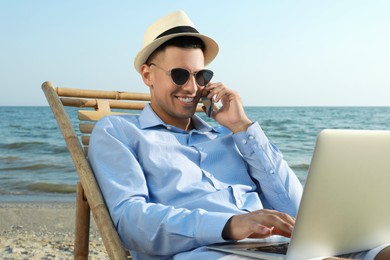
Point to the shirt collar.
(148, 119)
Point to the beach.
(42, 230)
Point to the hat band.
(178, 29)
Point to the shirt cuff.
(371, 254)
(210, 230)
(245, 141)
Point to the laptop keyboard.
(277, 249)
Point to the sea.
(35, 164)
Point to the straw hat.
(168, 27)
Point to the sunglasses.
(181, 76)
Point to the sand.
(42, 231)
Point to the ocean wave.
(39, 166)
(34, 146)
(21, 145)
(300, 166)
(13, 187)
(51, 187)
(10, 158)
(8, 192)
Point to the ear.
(146, 75)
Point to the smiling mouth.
(186, 100)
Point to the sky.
(275, 53)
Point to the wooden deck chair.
(93, 105)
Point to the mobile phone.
(209, 104)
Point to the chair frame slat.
(80, 102)
(85, 139)
(86, 128)
(88, 182)
(86, 115)
(101, 94)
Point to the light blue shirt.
(170, 191)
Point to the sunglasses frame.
(169, 73)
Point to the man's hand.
(231, 114)
(258, 224)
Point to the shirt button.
(169, 128)
(271, 171)
(244, 141)
(251, 137)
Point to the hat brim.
(210, 52)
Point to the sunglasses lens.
(180, 76)
(203, 77)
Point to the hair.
(186, 42)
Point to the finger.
(286, 217)
(224, 94)
(216, 91)
(278, 232)
(282, 227)
(261, 231)
(283, 224)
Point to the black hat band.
(178, 29)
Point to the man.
(172, 183)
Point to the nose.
(191, 84)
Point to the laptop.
(345, 204)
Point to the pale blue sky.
(275, 53)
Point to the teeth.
(187, 100)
